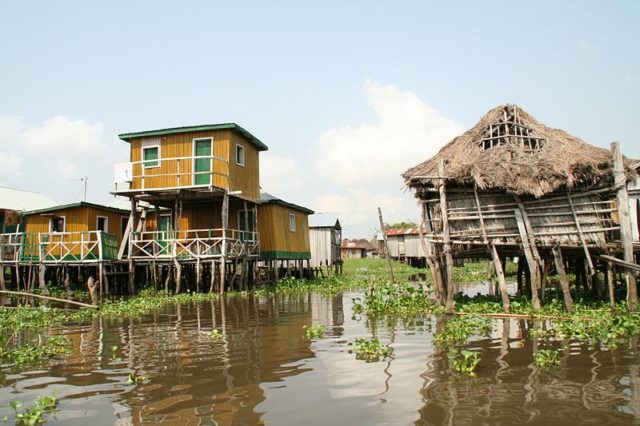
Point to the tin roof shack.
(404, 245)
(511, 186)
(325, 237)
(14, 201)
(208, 177)
(356, 249)
(284, 234)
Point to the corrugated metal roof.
(75, 205)
(403, 231)
(267, 198)
(324, 220)
(16, 199)
(203, 127)
(357, 244)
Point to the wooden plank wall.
(247, 178)
(273, 224)
(181, 145)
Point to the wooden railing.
(58, 247)
(170, 173)
(193, 244)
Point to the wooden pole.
(55, 299)
(225, 225)
(446, 238)
(434, 267)
(178, 267)
(502, 282)
(626, 237)
(386, 246)
(587, 255)
(531, 261)
(562, 275)
(610, 284)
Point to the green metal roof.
(75, 205)
(266, 198)
(203, 127)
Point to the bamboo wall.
(226, 174)
(276, 240)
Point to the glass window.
(57, 224)
(240, 155)
(150, 156)
(102, 224)
(292, 222)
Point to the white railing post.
(99, 245)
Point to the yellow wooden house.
(203, 184)
(284, 229)
(72, 233)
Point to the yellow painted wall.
(273, 224)
(226, 174)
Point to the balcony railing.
(58, 247)
(193, 244)
(171, 173)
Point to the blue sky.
(347, 95)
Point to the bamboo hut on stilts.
(511, 186)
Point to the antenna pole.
(86, 178)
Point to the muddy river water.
(264, 371)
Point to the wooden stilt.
(626, 236)
(587, 255)
(225, 226)
(93, 291)
(386, 246)
(610, 285)
(101, 280)
(562, 276)
(178, 269)
(212, 278)
(198, 275)
(533, 269)
(447, 239)
(434, 266)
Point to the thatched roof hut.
(516, 186)
(512, 151)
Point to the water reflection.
(264, 370)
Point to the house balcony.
(193, 244)
(165, 175)
(58, 247)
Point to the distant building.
(404, 245)
(325, 237)
(356, 249)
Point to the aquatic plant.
(370, 349)
(34, 414)
(134, 379)
(315, 331)
(402, 300)
(546, 358)
(457, 330)
(464, 361)
(216, 336)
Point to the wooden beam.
(587, 255)
(434, 266)
(562, 275)
(531, 261)
(626, 237)
(447, 239)
(624, 264)
(55, 299)
(386, 246)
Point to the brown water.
(265, 371)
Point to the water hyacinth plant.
(370, 349)
(464, 361)
(546, 358)
(315, 331)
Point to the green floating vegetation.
(464, 362)
(370, 349)
(216, 335)
(315, 331)
(403, 300)
(546, 358)
(35, 413)
(458, 330)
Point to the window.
(102, 223)
(240, 155)
(57, 224)
(246, 224)
(150, 156)
(292, 222)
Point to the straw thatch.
(510, 150)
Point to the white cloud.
(407, 131)
(10, 166)
(279, 174)
(63, 135)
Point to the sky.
(347, 95)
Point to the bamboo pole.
(562, 275)
(54, 299)
(502, 282)
(626, 237)
(447, 239)
(386, 246)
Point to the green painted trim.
(287, 204)
(204, 127)
(285, 255)
(76, 205)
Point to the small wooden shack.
(405, 245)
(511, 186)
(356, 249)
(325, 237)
(284, 235)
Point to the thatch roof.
(510, 150)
